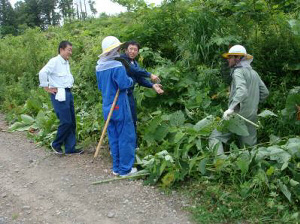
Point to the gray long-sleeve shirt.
(247, 91)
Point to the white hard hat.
(237, 50)
(109, 43)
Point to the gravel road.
(37, 186)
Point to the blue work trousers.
(122, 143)
(66, 132)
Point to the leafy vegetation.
(183, 41)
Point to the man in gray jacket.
(246, 92)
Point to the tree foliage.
(7, 18)
(42, 13)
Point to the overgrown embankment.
(182, 43)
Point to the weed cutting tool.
(248, 121)
(106, 124)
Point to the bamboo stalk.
(106, 124)
(120, 178)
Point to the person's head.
(236, 54)
(234, 60)
(65, 49)
(132, 49)
(109, 44)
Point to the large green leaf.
(202, 166)
(26, 119)
(292, 101)
(243, 162)
(199, 144)
(178, 136)
(285, 190)
(41, 119)
(293, 146)
(267, 113)
(24, 128)
(161, 132)
(205, 125)
(278, 154)
(177, 118)
(152, 126)
(273, 153)
(237, 126)
(15, 126)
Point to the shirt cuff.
(44, 84)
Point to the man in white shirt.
(56, 78)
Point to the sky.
(107, 6)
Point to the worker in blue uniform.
(138, 75)
(111, 76)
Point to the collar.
(127, 57)
(62, 60)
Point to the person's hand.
(50, 90)
(158, 88)
(227, 114)
(155, 78)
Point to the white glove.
(60, 94)
(227, 114)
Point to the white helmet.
(237, 50)
(109, 43)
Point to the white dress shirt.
(56, 73)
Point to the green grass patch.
(212, 202)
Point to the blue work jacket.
(112, 76)
(137, 74)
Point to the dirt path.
(37, 186)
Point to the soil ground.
(37, 186)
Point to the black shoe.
(56, 151)
(77, 151)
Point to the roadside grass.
(218, 203)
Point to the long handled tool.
(106, 124)
(248, 121)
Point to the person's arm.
(241, 92)
(263, 91)
(44, 74)
(137, 71)
(146, 83)
(121, 78)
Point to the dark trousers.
(133, 113)
(67, 124)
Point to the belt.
(68, 89)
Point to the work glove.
(227, 114)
